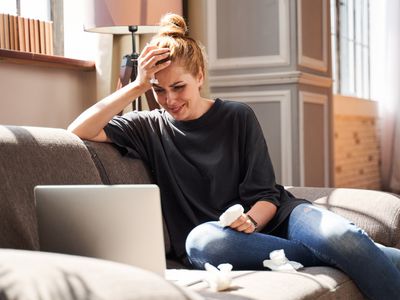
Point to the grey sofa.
(31, 156)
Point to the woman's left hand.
(261, 213)
(243, 224)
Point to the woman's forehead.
(174, 72)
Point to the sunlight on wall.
(383, 75)
(377, 48)
(8, 7)
(77, 43)
(83, 45)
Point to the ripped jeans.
(315, 237)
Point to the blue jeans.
(315, 237)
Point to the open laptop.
(122, 223)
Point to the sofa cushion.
(374, 211)
(322, 283)
(115, 168)
(309, 193)
(39, 275)
(32, 156)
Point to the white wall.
(53, 97)
(83, 45)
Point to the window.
(46, 10)
(350, 47)
(8, 7)
(35, 9)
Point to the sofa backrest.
(378, 213)
(31, 156)
(117, 169)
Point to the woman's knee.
(204, 236)
(206, 243)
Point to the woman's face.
(178, 92)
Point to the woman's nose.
(171, 98)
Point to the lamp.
(128, 17)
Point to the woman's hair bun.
(173, 25)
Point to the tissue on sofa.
(219, 278)
(279, 262)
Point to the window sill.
(53, 61)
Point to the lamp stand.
(128, 73)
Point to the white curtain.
(389, 93)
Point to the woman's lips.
(175, 109)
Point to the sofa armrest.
(378, 213)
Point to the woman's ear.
(200, 78)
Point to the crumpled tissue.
(219, 278)
(230, 215)
(279, 262)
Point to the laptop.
(122, 223)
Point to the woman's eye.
(179, 87)
(158, 91)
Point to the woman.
(207, 155)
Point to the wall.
(90, 46)
(43, 96)
(356, 143)
(278, 62)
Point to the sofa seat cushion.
(40, 275)
(320, 283)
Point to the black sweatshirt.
(203, 166)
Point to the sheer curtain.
(385, 80)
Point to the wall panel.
(273, 111)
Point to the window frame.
(350, 34)
(57, 16)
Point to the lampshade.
(114, 16)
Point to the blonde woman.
(209, 154)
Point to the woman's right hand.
(148, 64)
(89, 125)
